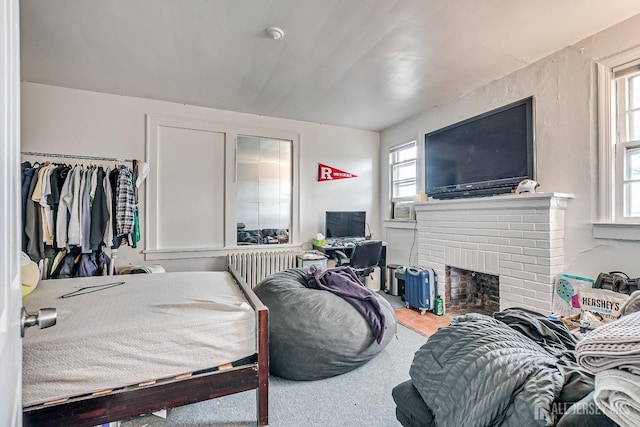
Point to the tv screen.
(487, 154)
(345, 223)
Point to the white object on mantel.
(527, 186)
(519, 238)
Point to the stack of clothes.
(612, 352)
(517, 368)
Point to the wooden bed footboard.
(100, 408)
(262, 319)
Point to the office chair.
(364, 258)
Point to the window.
(402, 162)
(619, 147)
(627, 144)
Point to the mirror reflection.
(264, 167)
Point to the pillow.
(30, 274)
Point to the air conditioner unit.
(404, 210)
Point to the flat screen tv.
(345, 224)
(485, 155)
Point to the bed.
(134, 344)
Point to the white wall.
(69, 121)
(402, 242)
(565, 91)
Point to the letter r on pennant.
(325, 173)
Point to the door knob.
(44, 318)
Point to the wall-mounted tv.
(485, 155)
(345, 223)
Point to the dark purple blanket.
(343, 282)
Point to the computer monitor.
(345, 224)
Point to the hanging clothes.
(71, 214)
(99, 212)
(125, 200)
(58, 178)
(27, 175)
(85, 213)
(113, 180)
(33, 221)
(107, 237)
(73, 233)
(63, 211)
(47, 218)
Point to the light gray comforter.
(114, 331)
(481, 372)
(613, 351)
(612, 346)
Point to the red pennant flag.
(329, 173)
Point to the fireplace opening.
(471, 291)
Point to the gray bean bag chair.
(314, 334)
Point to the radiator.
(255, 266)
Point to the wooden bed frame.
(132, 401)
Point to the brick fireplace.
(468, 291)
(518, 239)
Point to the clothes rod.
(71, 156)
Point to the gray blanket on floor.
(480, 372)
(612, 346)
(618, 395)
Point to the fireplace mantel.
(519, 238)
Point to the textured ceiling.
(365, 64)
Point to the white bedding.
(152, 326)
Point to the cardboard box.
(602, 302)
(566, 301)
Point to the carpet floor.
(361, 397)
(426, 324)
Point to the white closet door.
(187, 193)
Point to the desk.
(329, 250)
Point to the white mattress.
(152, 326)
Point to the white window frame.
(622, 145)
(610, 222)
(392, 181)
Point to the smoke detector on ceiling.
(274, 33)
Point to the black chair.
(364, 258)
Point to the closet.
(77, 211)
